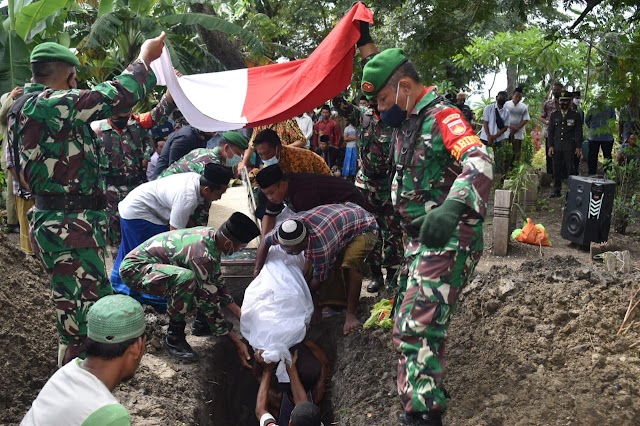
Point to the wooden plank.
(501, 210)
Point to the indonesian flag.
(267, 94)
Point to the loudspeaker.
(587, 210)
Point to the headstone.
(501, 212)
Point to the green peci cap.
(115, 319)
(236, 139)
(379, 70)
(53, 52)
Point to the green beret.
(379, 70)
(236, 139)
(53, 52)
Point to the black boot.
(176, 343)
(200, 326)
(391, 282)
(377, 280)
(432, 418)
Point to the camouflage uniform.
(121, 157)
(184, 266)
(195, 161)
(448, 163)
(59, 157)
(373, 180)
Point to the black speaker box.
(587, 210)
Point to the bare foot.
(351, 324)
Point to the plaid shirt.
(331, 228)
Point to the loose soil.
(533, 343)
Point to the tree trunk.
(512, 79)
(218, 43)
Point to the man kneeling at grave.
(336, 239)
(80, 392)
(184, 266)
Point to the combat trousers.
(388, 251)
(181, 288)
(78, 279)
(430, 283)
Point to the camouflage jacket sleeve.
(209, 275)
(473, 185)
(119, 94)
(158, 115)
(4, 111)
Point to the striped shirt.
(331, 228)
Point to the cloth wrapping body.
(277, 308)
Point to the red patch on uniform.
(367, 87)
(457, 127)
(456, 135)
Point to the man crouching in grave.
(184, 266)
(336, 239)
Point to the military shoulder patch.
(457, 136)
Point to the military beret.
(53, 52)
(236, 139)
(379, 70)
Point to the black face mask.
(120, 122)
(501, 102)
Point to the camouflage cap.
(236, 139)
(53, 52)
(115, 319)
(379, 70)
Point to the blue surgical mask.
(271, 161)
(395, 116)
(233, 161)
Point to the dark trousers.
(562, 165)
(594, 149)
(549, 159)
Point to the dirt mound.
(27, 331)
(538, 345)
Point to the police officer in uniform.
(59, 165)
(565, 141)
(441, 185)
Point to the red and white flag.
(267, 94)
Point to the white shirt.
(489, 115)
(306, 125)
(151, 167)
(350, 131)
(73, 396)
(518, 114)
(171, 200)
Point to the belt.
(70, 202)
(124, 180)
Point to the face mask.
(501, 102)
(395, 116)
(120, 122)
(271, 161)
(233, 161)
(577, 102)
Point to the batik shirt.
(449, 163)
(330, 229)
(59, 154)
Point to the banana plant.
(24, 20)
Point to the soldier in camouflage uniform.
(59, 164)
(184, 266)
(373, 180)
(228, 153)
(125, 150)
(443, 176)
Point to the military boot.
(200, 326)
(431, 418)
(377, 280)
(176, 343)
